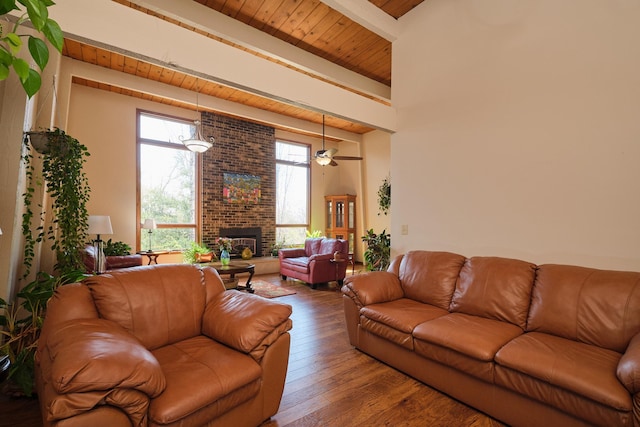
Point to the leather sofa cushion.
(397, 319)
(474, 336)
(430, 277)
(141, 301)
(580, 368)
(566, 374)
(495, 288)
(215, 378)
(587, 305)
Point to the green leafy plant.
(67, 184)
(21, 322)
(377, 256)
(116, 248)
(191, 255)
(11, 41)
(384, 196)
(276, 247)
(312, 234)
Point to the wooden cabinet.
(340, 214)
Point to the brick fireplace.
(240, 147)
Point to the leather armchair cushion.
(575, 367)
(222, 377)
(586, 305)
(142, 301)
(242, 321)
(495, 288)
(430, 277)
(97, 354)
(299, 264)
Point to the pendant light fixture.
(197, 143)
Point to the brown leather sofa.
(548, 345)
(112, 262)
(316, 263)
(161, 345)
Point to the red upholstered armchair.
(315, 263)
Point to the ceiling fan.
(326, 157)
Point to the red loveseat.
(316, 262)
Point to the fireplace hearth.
(244, 233)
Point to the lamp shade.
(100, 224)
(149, 224)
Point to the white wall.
(519, 130)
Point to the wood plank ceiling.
(307, 24)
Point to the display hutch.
(341, 218)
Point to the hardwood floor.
(329, 383)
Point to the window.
(167, 187)
(292, 192)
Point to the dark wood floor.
(329, 383)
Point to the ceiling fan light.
(323, 161)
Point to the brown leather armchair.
(316, 262)
(112, 262)
(161, 345)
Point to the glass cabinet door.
(329, 215)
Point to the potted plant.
(197, 253)
(67, 184)
(116, 248)
(11, 42)
(377, 256)
(384, 196)
(20, 334)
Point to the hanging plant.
(68, 187)
(384, 196)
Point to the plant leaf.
(37, 12)
(21, 68)
(39, 51)
(7, 6)
(53, 33)
(14, 42)
(32, 84)
(4, 71)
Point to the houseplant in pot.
(67, 186)
(377, 256)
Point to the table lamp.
(149, 224)
(99, 224)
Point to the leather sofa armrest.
(320, 257)
(291, 253)
(96, 354)
(629, 366)
(372, 288)
(123, 261)
(245, 322)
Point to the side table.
(233, 268)
(152, 255)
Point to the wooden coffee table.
(233, 268)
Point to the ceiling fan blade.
(347, 158)
(330, 152)
(333, 163)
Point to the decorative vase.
(246, 253)
(225, 258)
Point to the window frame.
(197, 226)
(307, 165)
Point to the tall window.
(167, 187)
(292, 192)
